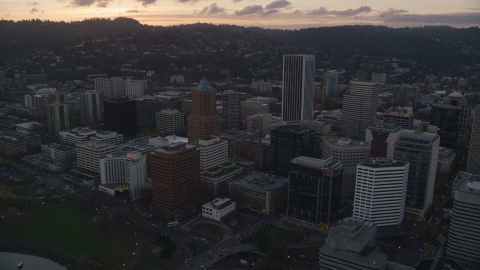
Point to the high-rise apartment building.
(380, 191)
(135, 89)
(314, 189)
(382, 138)
(349, 246)
(464, 236)
(232, 108)
(204, 120)
(89, 154)
(379, 77)
(297, 92)
(121, 116)
(421, 151)
(288, 141)
(359, 108)
(110, 88)
(404, 95)
(252, 107)
(169, 121)
(91, 108)
(57, 118)
(350, 153)
(473, 165)
(124, 172)
(175, 175)
(213, 152)
(331, 84)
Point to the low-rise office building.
(349, 246)
(12, 147)
(76, 135)
(61, 153)
(214, 181)
(218, 208)
(260, 192)
(107, 136)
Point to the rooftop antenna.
(413, 18)
(361, 14)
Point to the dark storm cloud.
(340, 13)
(146, 2)
(249, 10)
(391, 12)
(469, 19)
(212, 9)
(278, 4)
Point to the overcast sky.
(283, 14)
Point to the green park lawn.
(71, 230)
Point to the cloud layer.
(341, 13)
(212, 9)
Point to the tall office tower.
(252, 107)
(314, 189)
(175, 175)
(135, 89)
(89, 154)
(91, 109)
(169, 121)
(213, 152)
(261, 123)
(404, 94)
(232, 108)
(473, 165)
(288, 141)
(380, 191)
(331, 84)
(350, 153)
(452, 117)
(421, 151)
(146, 108)
(297, 92)
(379, 77)
(204, 120)
(359, 108)
(464, 236)
(129, 169)
(28, 100)
(110, 88)
(121, 116)
(382, 138)
(399, 118)
(57, 118)
(349, 246)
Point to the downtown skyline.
(280, 14)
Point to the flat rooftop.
(60, 147)
(314, 163)
(382, 163)
(346, 142)
(219, 203)
(261, 182)
(388, 127)
(174, 148)
(11, 140)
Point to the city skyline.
(281, 14)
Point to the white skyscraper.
(297, 92)
(380, 191)
(359, 108)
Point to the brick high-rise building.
(175, 175)
(204, 120)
